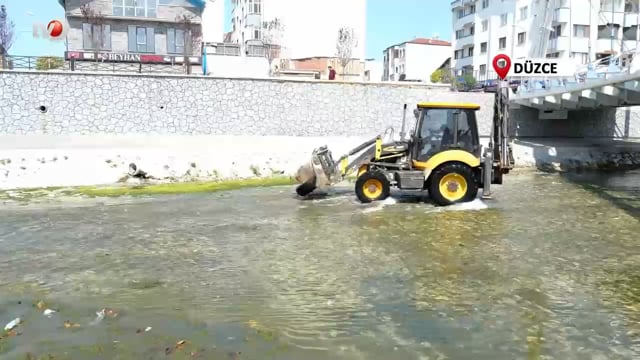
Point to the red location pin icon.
(501, 65)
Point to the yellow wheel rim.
(453, 187)
(372, 188)
(363, 169)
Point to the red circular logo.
(54, 28)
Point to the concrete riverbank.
(45, 161)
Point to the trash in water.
(110, 312)
(12, 324)
(48, 312)
(180, 344)
(68, 324)
(99, 316)
(41, 305)
(147, 329)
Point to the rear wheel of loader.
(452, 183)
(372, 186)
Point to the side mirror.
(416, 113)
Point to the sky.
(389, 22)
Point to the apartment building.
(308, 30)
(414, 60)
(133, 30)
(580, 30)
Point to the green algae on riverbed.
(144, 189)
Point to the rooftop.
(424, 41)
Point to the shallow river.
(548, 269)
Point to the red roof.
(425, 41)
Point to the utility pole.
(612, 27)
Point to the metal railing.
(608, 67)
(55, 63)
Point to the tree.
(96, 20)
(442, 75)
(49, 63)
(272, 40)
(345, 45)
(192, 36)
(7, 31)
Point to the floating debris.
(48, 312)
(68, 325)
(12, 324)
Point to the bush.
(441, 76)
(49, 63)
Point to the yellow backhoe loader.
(442, 155)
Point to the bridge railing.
(604, 68)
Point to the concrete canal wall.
(78, 129)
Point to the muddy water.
(548, 269)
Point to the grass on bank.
(146, 189)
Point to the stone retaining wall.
(72, 103)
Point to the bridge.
(610, 82)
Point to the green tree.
(436, 76)
(441, 76)
(49, 63)
(469, 80)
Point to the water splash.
(380, 205)
(476, 204)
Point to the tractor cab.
(444, 126)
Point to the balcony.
(465, 61)
(464, 41)
(457, 4)
(606, 17)
(562, 15)
(630, 19)
(253, 20)
(561, 43)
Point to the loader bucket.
(320, 172)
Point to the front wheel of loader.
(452, 183)
(372, 186)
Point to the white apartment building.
(582, 30)
(310, 29)
(213, 21)
(414, 60)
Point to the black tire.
(463, 172)
(370, 179)
(307, 187)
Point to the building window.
(184, 3)
(502, 43)
(140, 8)
(96, 37)
(459, 34)
(605, 5)
(581, 31)
(604, 31)
(141, 39)
(175, 41)
(483, 48)
(470, 51)
(522, 37)
(483, 69)
(503, 19)
(629, 32)
(524, 11)
(254, 7)
(257, 34)
(485, 25)
(485, 4)
(460, 13)
(458, 54)
(582, 57)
